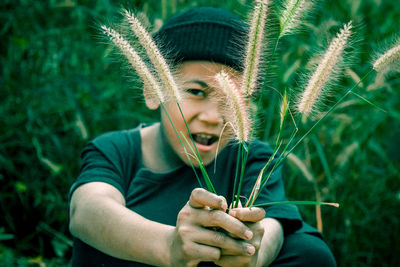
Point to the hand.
(252, 217)
(193, 241)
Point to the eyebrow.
(201, 83)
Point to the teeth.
(203, 139)
(204, 136)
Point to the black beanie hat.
(203, 33)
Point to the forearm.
(105, 224)
(271, 242)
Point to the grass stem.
(180, 141)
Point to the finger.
(248, 214)
(200, 252)
(218, 218)
(234, 261)
(221, 240)
(200, 198)
(258, 231)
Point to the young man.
(136, 201)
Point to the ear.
(151, 101)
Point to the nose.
(211, 114)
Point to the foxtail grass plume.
(154, 55)
(254, 47)
(236, 106)
(284, 108)
(325, 71)
(387, 59)
(293, 13)
(137, 63)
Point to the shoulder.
(115, 146)
(118, 138)
(123, 141)
(113, 154)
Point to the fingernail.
(251, 250)
(232, 213)
(224, 206)
(248, 234)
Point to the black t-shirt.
(115, 158)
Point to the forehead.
(204, 71)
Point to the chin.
(206, 161)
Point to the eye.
(195, 92)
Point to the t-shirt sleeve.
(274, 191)
(109, 159)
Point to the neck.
(157, 153)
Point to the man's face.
(201, 107)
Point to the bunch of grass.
(316, 88)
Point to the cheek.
(171, 113)
(190, 106)
(172, 130)
(169, 129)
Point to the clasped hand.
(204, 232)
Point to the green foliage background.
(60, 87)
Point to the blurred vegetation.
(60, 88)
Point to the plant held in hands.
(160, 83)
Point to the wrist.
(271, 243)
(166, 257)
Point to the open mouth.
(204, 139)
